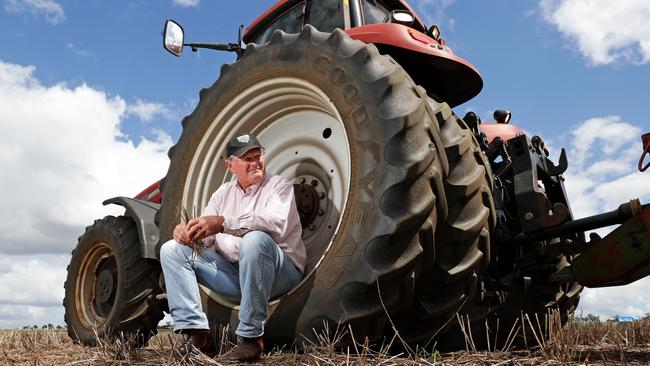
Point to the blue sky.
(90, 102)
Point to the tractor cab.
(327, 15)
(391, 25)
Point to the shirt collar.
(253, 188)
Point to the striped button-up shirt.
(268, 206)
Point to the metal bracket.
(534, 207)
(560, 168)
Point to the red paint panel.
(505, 131)
(259, 19)
(151, 193)
(404, 37)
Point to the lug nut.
(321, 195)
(314, 182)
(303, 180)
(528, 216)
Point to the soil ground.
(578, 343)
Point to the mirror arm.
(229, 47)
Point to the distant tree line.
(48, 326)
(591, 318)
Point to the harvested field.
(578, 343)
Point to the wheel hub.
(104, 285)
(309, 193)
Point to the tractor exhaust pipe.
(618, 216)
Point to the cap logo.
(243, 139)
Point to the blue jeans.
(263, 271)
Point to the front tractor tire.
(110, 289)
(361, 144)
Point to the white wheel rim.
(305, 141)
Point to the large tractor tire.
(359, 140)
(456, 238)
(110, 289)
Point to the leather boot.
(247, 349)
(196, 339)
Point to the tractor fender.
(142, 213)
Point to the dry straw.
(577, 343)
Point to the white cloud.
(602, 165)
(147, 111)
(52, 10)
(625, 300)
(32, 290)
(78, 51)
(186, 3)
(590, 140)
(63, 153)
(603, 31)
(602, 174)
(22, 283)
(66, 154)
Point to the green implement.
(621, 257)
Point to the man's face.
(249, 168)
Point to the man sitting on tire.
(251, 233)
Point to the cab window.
(290, 21)
(326, 15)
(374, 11)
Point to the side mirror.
(402, 17)
(173, 37)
